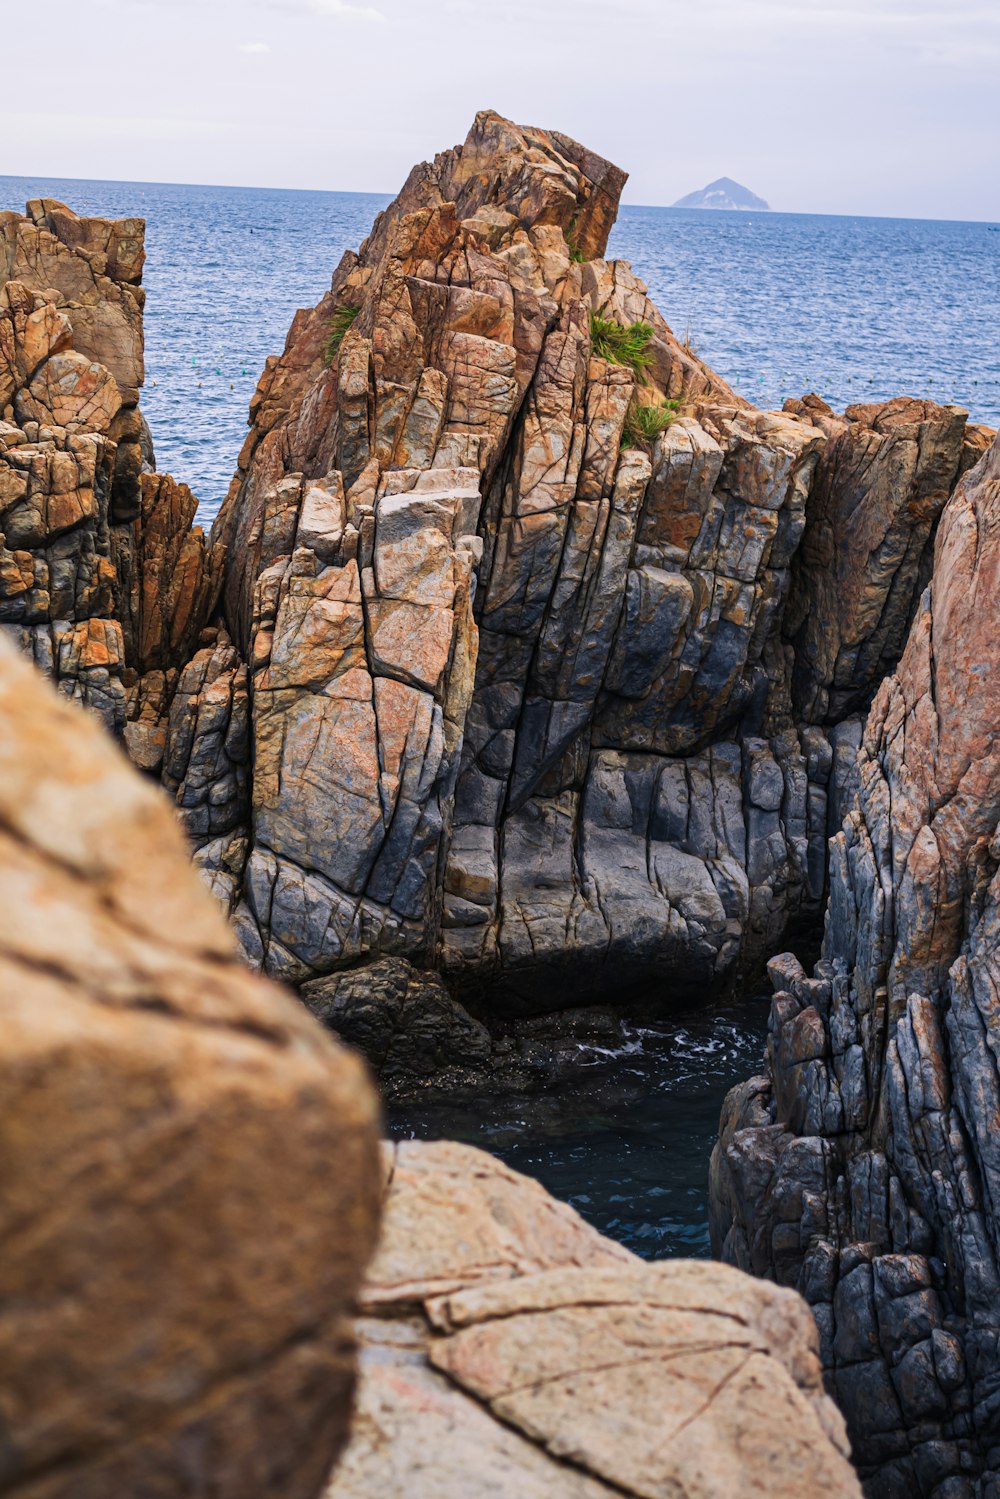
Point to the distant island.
(723, 193)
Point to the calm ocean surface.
(854, 308)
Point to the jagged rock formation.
(542, 673)
(862, 1169)
(501, 687)
(524, 702)
(508, 1349)
(102, 579)
(190, 1169)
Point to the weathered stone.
(511, 1342)
(870, 1150)
(101, 576)
(405, 1023)
(465, 607)
(190, 1167)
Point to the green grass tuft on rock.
(643, 424)
(341, 321)
(622, 345)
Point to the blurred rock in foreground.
(189, 1165)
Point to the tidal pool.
(626, 1136)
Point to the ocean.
(857, 309)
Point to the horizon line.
(377, 193)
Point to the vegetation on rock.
(621, 343)
(340, 324)
(643, 424)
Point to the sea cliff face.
(862, 1169)
(540, 656)
(505, 688)
(103, 581)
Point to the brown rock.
(190, 1171)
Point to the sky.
(863, 107)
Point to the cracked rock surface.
(508, 1346)
(103, 581)
(862, 1169)
(493, 686)
(190, 1168)
(515, 696)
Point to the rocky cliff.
(863, 1169)
(190, 1169)
(529, 663)
(538, 639)
(541, 656)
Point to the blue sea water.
(857, 309)
(626, 1135)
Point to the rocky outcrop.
(861, 1170)
(190, 1172)
(102, 580)
(508, 1349)
(410, 1030)
(91, 269)
(542, 656)
(518, 637)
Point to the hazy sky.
(868, 106)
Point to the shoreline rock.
(860, 1169)
(104, 581)
(190, 1168)
(512, 699)
(503, 1337)
(469, 675)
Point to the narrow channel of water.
(627, 1137)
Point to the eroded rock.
(190, 1167)
(861, 1169)
(523, 690)
(504, 1338)
(103, 580)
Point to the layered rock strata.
(530, 698)
(508, 1349)
(102, 579)
(862, 1169)
(190, 1169)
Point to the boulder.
(405, 1024)
(508, 1349)
(190, 1165)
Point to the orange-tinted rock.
(190, 1168)
(508, 1349)
(447, 548)
(99, 551)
